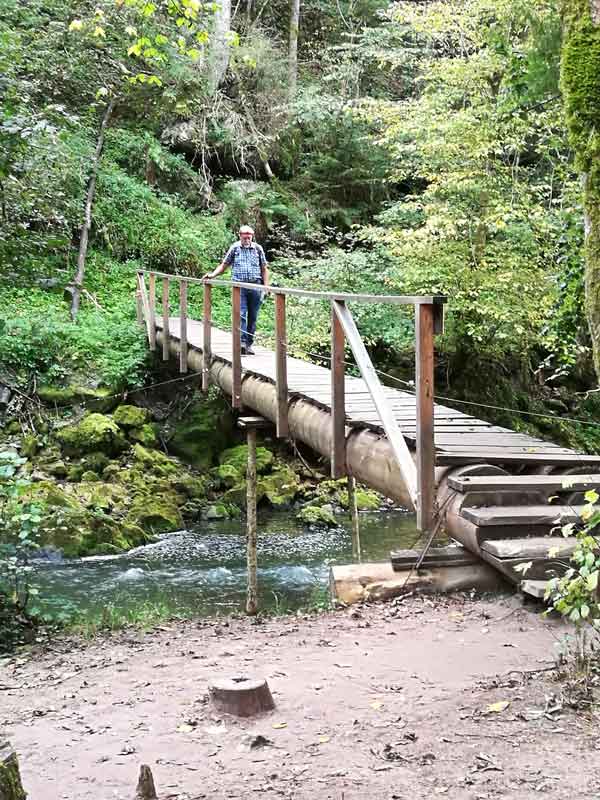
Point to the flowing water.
(202, 571)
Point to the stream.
(201, 571)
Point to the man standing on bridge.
(248, 265)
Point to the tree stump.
(11, 787)
(145, 788)
(242, 697)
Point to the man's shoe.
(244, 350)
(250, 351)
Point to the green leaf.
(591, 496)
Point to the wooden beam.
(338, 405)
(236, 365)
(183, 338)
(206, 336)
(139, 305)
(145, 304)
(251, 557)
(152, 310)
(386, 415)
(281, 366)
(424, 325)
(165, 318)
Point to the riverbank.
(444, 696)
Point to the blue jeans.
(250, 300)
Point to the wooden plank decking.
(459, 437)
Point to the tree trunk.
(219, 58)
(75, 288)
(11, 787)
(580, 83)
(293, 49)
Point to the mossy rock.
(74, 473)
(145, 435)
(280, 487)
(217, 511)
(94, 433)
(229, 475)
(79, 533)
(111, 471)
(204, 432)
(58, 469)
(156, 514)
(13, 427)
(29, 446)
(107, 497)
(89, 476)
(50, 494)
(190, 485)
(96, 462)
(155, 462)
(55, 395)
(366, 500)
(317, 515)
(237, 457)
(127, 416)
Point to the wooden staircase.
(514, 519)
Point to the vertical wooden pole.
(236, 365)
(338, 406)
(356, 553)
(183, 347)
(281, 366)
(139, 305)
(424, 319)
(152, 310)
(252, 560)
(165, 319)
(206, 336)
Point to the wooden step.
(450, 556)
(522, 515)
(548, 556)
(535, 547)
(524, 483)
(535, 589)
(460, 458)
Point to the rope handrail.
(344, 297)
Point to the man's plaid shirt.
(246, 262)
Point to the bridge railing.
(419, 478)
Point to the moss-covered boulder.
(96, 462)
(94, 433)
(56, 395)
(58, 468)
(204, 432)
(127, 416)
(155, 462)
(317, 515)
(100, 399)
(145, 435)
(29, 446)
(158, 514)
(237, 457)
(280, 487)
(366, 500)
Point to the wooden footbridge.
(502, 494)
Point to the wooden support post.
(152, 310)
(165, 319)
(139, 305)
(356, 553)
(236, 365)
(338, 405)
(252, 589)
(206, 336)
(281, 366)
(424, 326)
(183, 346)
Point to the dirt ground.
(391, 701)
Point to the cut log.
(11, 787)
(242, 697)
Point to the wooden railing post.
(206, 336)
(338, 405)
(236, 360)
(152, 310)
(281, 366)
(139, 304)
(165, 319)
(424, 329)
(183, 345)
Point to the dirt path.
(386, 702)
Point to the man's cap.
(247, 229)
